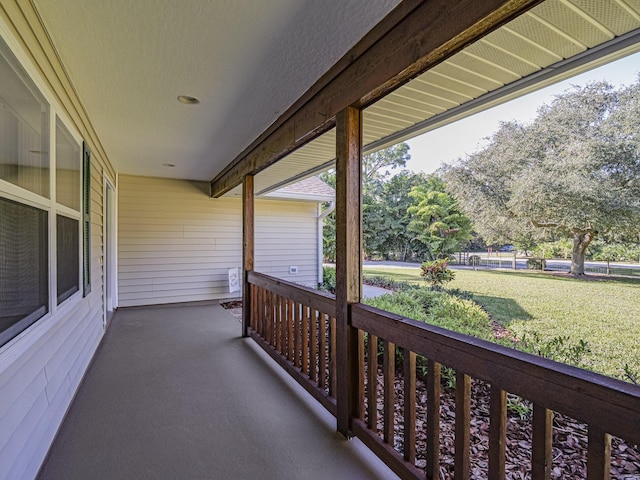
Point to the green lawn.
(605, 313)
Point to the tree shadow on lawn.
(565, 277)
(502, 310)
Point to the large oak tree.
(574, 171)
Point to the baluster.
(285, 327)
(462, 426)
(388, 368)
(313, 339)
(542, 443)
(290, 344)
(497, 433)
(263, 314)
(434, 370)
(360, 380)
(333, 365)
(323, 351)
(276, 323)
(409, 406)
(252, 302)
(305, 339)
(372, 382)
(296, 333)
(274, 319)
(598, 454)
(270, 329)
(255, 305)
(282, 326)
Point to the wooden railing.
(296, 326)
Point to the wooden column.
(248, 251)
(348, 261)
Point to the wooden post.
(248, 252)
(348, 261)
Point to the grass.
(603, 312)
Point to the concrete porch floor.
(175, 393)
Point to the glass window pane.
(67, 168)
(24, 285)
(24, 131)
(68, 257)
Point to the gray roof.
(310, 189)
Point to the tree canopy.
(385, 198)
(573, 172)
(405, 216)
(436, 219)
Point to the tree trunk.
(581, 241)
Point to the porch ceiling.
(249, 61)
(553, 41)
(246, 60)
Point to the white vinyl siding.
(286, 236)
(176, 244)
(41, 369)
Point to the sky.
(446, 144)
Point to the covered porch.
(185, 391)
(174, 392)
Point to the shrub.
(559, 348)
(615, 252)
(536, 263)
(436, 272)
(474, 260)
(438, 307)
(328, 279)
(562, 248)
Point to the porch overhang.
(412, 38)
(468, 64)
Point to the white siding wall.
(41, 369)
(175, 243)
(287, 235)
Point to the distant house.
(176, 244)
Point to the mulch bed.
(569, 438)
(232, 305)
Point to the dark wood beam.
(248, 250)
(414, 37)
(348, 261)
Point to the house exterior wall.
(41, 368)
(176, 244)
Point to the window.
(24, 132)
(67, 168)
(24, 289)
(67, 257)
(68, 161)
(40, 213)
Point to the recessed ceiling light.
(168, 165)
(187, 100)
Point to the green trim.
(86, 219)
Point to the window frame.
(31, 78)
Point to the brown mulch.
(231, 305)
(569, 437)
